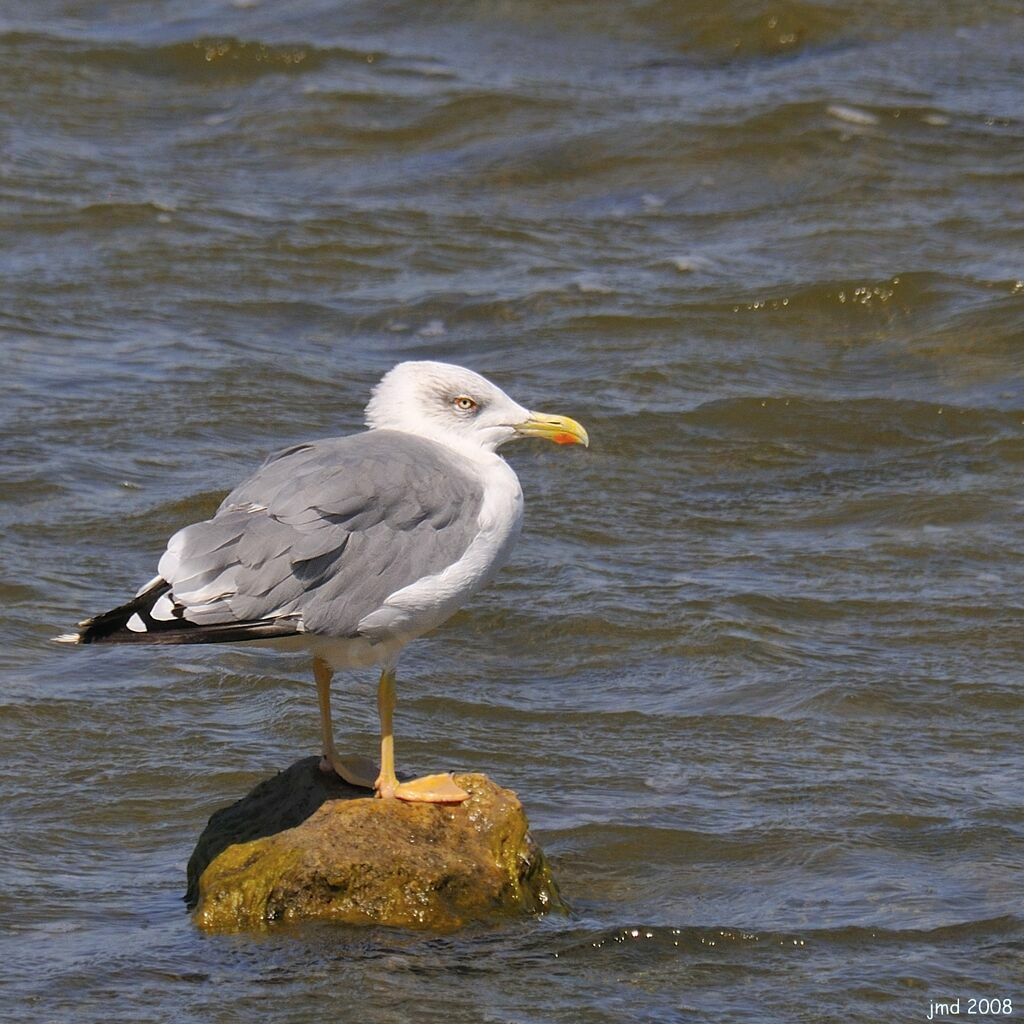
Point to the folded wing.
(317, 539)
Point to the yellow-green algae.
(366, 861)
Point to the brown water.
(755, 668)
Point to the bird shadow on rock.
(281, 802)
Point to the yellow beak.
(560, 429)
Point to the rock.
(303, 846)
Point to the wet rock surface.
(303, 846)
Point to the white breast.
(425, 604)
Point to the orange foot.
(431, 789)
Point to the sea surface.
(756, 666)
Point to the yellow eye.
(464, 403)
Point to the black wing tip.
(107, 626)
(113, 627)
(184, 632)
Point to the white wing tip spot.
(163, 609)
(67, 638)
(135, 624)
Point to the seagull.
(349, 547)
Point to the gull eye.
(464, 403)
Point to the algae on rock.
(302, 846)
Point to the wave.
(206, 57)
(650, 939)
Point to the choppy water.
(756, 667)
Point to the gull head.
(460, 409)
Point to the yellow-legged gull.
(350, 547)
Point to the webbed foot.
(430, 789)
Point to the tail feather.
(135, 623)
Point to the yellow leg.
(387, 781)
(432, 789)
(355, 770)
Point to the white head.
(459, 408)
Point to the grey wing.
(323, 533)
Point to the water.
(755, 667)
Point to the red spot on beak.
(565, 439)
